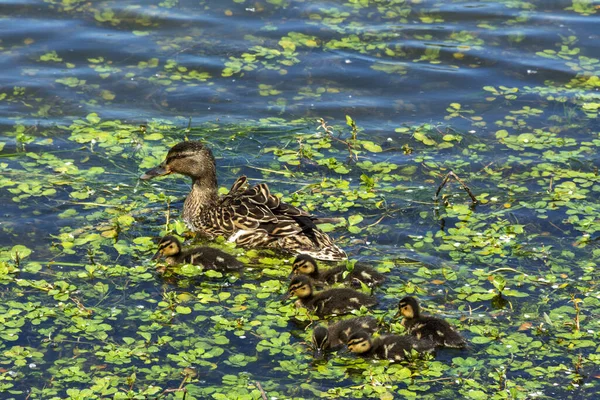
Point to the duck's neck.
(416, 312)
(171, 260)
(203, 194)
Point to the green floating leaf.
(183, 310)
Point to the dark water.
(248, 76)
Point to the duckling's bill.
(156, 255)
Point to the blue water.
(386, 64)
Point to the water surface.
(503, 93)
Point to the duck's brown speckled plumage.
(306, 265)
(389, 347)
(248, 216)
(171, 249)
(337, 334)
(328, 302)
(422, 327)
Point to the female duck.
(327, 302)
(390, 347)
(306, 265)
(170, 248)
(335, 335)
(250, 217)
(426, 327)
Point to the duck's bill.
(154, 172)
(344, 352)
(318, 353)
(285, 297)
(156, 255)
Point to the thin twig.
(329, 131)
(376, 222)
(287, 172)
(262, 391)
(168, 214)
(465, 187)
(89, 203)
(437, 380)
(551, 223)
(506, 269)
(550, 185)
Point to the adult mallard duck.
(170, 248)
(389, 347)
(306, 265)
(327, 302)
(426, 327)
(248, 216)
(337, 334)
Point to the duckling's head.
(192, 159)
(305, 265)
(408, 307)
(300, 286)
(320, 339)
(359, 342)
(168, 246)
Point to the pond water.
(353, 109)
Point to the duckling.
(248, 216)
(327, 302)
(335, 335)
(170, 248)
(389, 347)
(307, 265)
(427, 327)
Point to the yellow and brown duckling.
(327, 302)
(427, 327)
(306, 265)
(337, 334)
(389, 347)
(248, 216)
(170, 248)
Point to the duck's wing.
(212, 258)
(438, 331)
(255, 217)
(256, 208)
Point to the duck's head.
(305, 265)
(168, 246)
(192, 159)
(320, 340)
(359, 342)
(300, 286)
(408, 307)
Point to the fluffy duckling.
(327, 302)
(170, 248)
(247, 216)
(389, 347)
(337, 334)
(427, 327)
(306, 265)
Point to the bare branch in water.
(447, 178)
